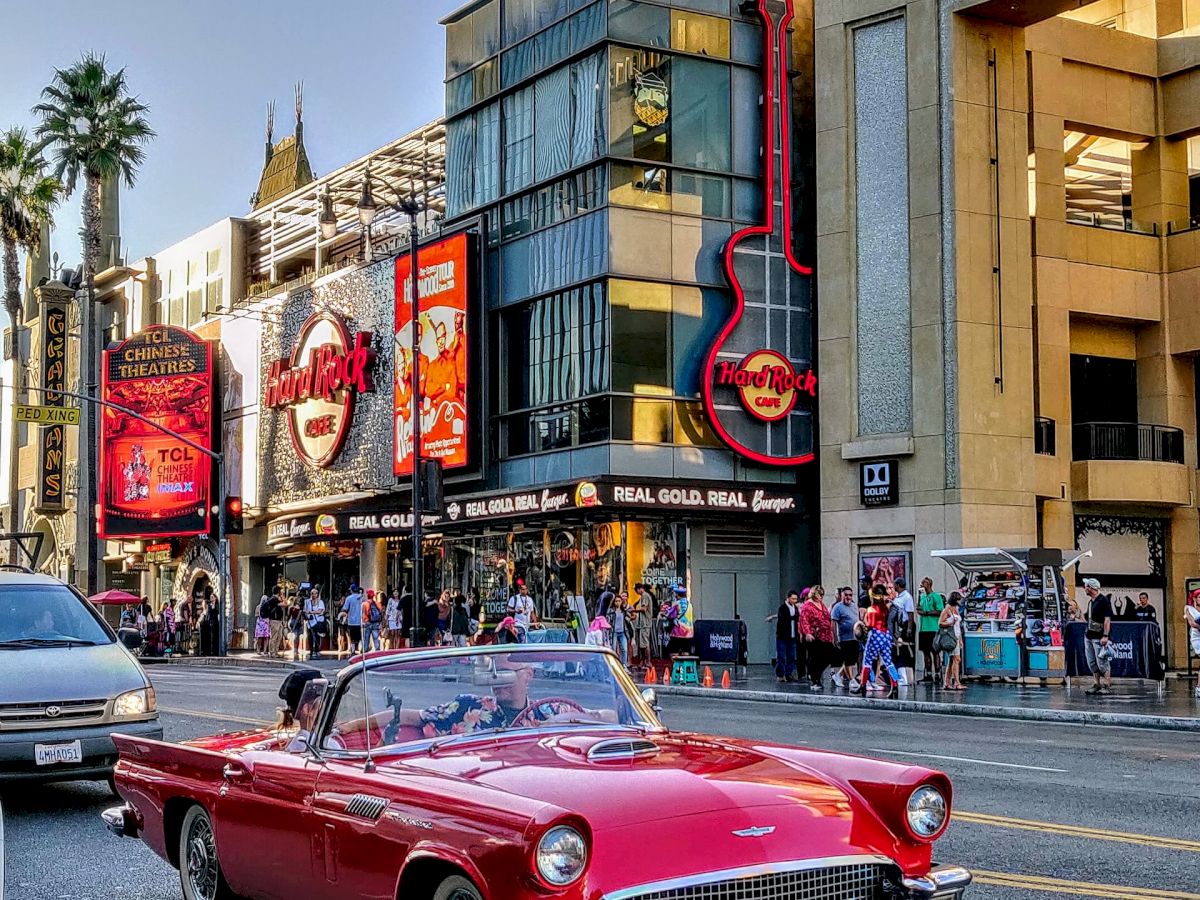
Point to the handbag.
(946, 640)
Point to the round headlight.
(561, 855)
(927, 811)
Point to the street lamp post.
(218, 458)
(410, 207)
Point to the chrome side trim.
(799, 865)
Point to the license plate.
(50, 754)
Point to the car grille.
(28, 716)
(850, 882)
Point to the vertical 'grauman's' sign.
(152, 484)
(52, 440)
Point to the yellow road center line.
(1099, 834)
(219, 717)
(1076, 888)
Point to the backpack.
(374, 614)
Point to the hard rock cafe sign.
(317, 386)
(767, 383)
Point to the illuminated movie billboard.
(443, 328)
(152, 484)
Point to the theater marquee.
(152, 484)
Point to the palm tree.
(27, 197)
(93, 127)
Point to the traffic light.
(432, 495)
(233, 515)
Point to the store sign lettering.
(318, 384)
(695, 498)
(767, 384)
(547, 501)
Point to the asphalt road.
(1081, 811)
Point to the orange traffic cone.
(666, 675)
(708, 679)
(725, 680)
(651, 675)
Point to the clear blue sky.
(372, 70)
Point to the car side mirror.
(651, 698)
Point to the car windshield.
(483, 692)
(47, 615)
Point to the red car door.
(264, 825)
(365, 834)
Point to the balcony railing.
(1044, 435)
(1127, 441)
(1111, 221)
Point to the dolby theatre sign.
(317, 386)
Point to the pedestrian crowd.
(870, 642)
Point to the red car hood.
(687, 775)
(707, 803)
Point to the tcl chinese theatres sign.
(152, 484)
(318, 383)
(443, 289)
(767, 384)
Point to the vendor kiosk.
(1014, 610)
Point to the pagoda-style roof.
(287, 171)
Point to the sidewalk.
(1135, 704)
(1132, 704)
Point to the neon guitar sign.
(760, 361)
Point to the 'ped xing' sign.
(879, 483)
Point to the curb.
(1061, 716)
(220, 662)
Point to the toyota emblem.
(53, 712)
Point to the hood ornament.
(756, 831)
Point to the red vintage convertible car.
(518, 772)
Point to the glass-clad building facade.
(609, 150)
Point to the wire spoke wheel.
(199, 867)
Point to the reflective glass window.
(642, 420)
(639, 23)
(553, 203)
(641, 337)
(473, 38)
(518, 140)
(697, 315)
(640, 104)
(702, 195)
(695, 33)
(642, 187)
(721, 7)
(460, 165)
(748, 201)
(692, 427)
(589, 128)
(552, 116)
(557, 348)
(747, 122)
(747, 43)
(700, 113)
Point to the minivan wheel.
(199, 869)
(456, 888)
(112, 786)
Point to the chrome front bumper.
(942, 883)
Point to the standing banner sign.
(443, 328)
(153, 485)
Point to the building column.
(1160, 182)
(372, 565)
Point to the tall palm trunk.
(12, 282)
(88, 368)
(12, 303)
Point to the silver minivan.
(66, 684)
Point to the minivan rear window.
(45, 615)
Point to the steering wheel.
(544, 709)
